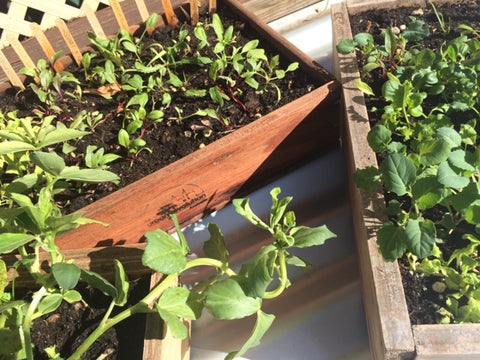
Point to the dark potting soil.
(422, 301)
(169, 140)
(71, 324)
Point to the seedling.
(227, 294)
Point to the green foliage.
(226, 295)
(427, 145)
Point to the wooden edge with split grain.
(385, 306)
(447, 341)
(390, 330)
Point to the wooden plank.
(447, 342)
(46, 46)
(386, 310)
(119, 15)
(273, 10)
(11, 74)
(72, 45)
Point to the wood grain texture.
(385, 306)
(273, 10)
(389, 327)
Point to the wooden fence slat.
(10, 72)
(142, 9)
(93, 21)
(212, 6)
(46, 46)
(119, 15)
(169, 13)
(194, 11)
(67, 36)
(52, 7)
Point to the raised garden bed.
(392, 335)
(209, 178)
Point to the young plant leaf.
(262, 324)
(448, 177)
(13, 241)
(50, 303)
(48, 161)
(391, 241)
(242, 206)
(98, 282)
(421, 236)
(227, 300)
(121, 284)
(175, 301)
(163, 253)
(66, 274)
(307, 237)
(398, 172)
(215, 246)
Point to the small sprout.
(439, 287)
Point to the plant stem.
(143, 304)
(27, 323)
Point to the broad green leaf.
(98, 282)
(448, 177)
(61, 135)
(72, 296)
(121, 283)
(470, 312)
(421, 237)
(433, 152)
(226, 300)
(11, 342)
(174, 300)
(13, 146)
(262, 324)
(307, 236)
(66, 274)
(215, 246)
(177, 327)
(398, 173)
(391, 241)
(364, 87)
(472, 214)
(88, 175)
(363, 39)
(427, 192)
(368, 178)
(379, 137)
(390, 41)
(416, 31)
(346, 46)
(163, 253)
(252, 44)
(23, 184)
(462, 159)
(463, 199)
(12, 241)
(242, 206)
(450, 135)
(50, 303)
(49, 162)
(393, 91)
(260, 271)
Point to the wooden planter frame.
(206, 180)
(158, 342)
(391, 334)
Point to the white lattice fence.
(15, 21)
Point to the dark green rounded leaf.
(433, 152)
(421, 237)
(306, 236)
(226, 300)
(379, 137)
(398, 173)
(448, 177)
(66, 275)
(391, 241)
(163, 253)
(49, 162)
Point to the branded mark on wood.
(182, 198)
